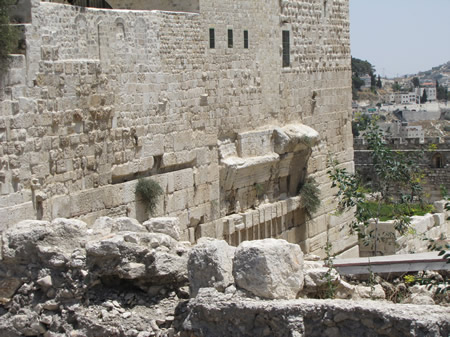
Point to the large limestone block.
(144, 258)
(254, 143)
(125, 224)
(241, 172)
(294, 137)
(19, 241)
(210, 265)
(440, 206)
(164, 225)
(33, 240)
(269, 268)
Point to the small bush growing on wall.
(149, 191)
(310, 194)
(8, 36)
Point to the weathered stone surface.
(51, 243)
(89, 110)
(147, 258)
(8, 287)
(316, 278)
(210, 264)
(125, 224)
(169, 226)
(215, 314)
(371, 292)
(294, 137)
(269, 268)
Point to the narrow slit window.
(212, 38)
(230, 38)
(286, 49)
(246, 39)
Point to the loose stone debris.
(118, 277)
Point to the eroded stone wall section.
(103, 97)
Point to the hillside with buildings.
(414, 115)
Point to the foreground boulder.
(145, 258)
(112, 278)
(164, 225)
(210, 265)
(269, 268)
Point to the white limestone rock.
(125, 224)
(440, 206)
(294, 137)
(210, 265)
(40, 241)
(344, 290)
(317, 277)
(164, 225)
(19, 241)
(145, 258)
(374, 292)
(269, 268)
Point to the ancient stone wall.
(103, 97)
(216, 314)
(165, 5)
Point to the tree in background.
(441, 92)
(424, 98)
(416, 82)
(373, 80)
(8, 36)
(379, 84)
(361, 68)
(396, 87)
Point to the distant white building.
(412, 132)
(413, 97)
(404, 98)
(397, 129)
(431, 93)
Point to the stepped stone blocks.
(103, 97)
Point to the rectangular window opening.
(286, 49)
(230, 38)
(212, 38)
(246, 39)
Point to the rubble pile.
(114, 278)
(118, 277)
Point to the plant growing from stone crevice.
(310, 194)
(149, 191)
(330, 290)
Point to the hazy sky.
(400, 36)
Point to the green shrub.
(8, 36)
(310, 194)
(389, 211)
(149, 191)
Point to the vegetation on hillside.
(8, 36)
(362, 68)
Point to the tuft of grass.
(149, 191)
(310, 194)
(389, 211)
